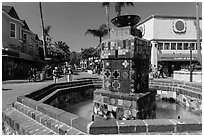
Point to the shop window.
(173, 46)
(192, 46)
(197, 47)
(12, 30)
(160, 46)
(179, 46)
(185, 46)
(166, 46)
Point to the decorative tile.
(114, 108)
(106, 100)
(107, 74)
(110, 108)
(95, 110)
(107, 84)
(116, 74)
(125, 75)
(134, 113)
(120, 102)
(125, 64)
(127, 103)
(116, 85)
(134, 105)
(127, 113)
(112, 101)
(120, 113)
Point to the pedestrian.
(161, 68)
(172, 70)
(55, 75)
(30, 74)
(65, 73)
(69, 72)
(34, 74)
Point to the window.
(197, 46)
(173, 46)
(20, 33)
(24, 36)
(160, 46)
(166, 46)
(179, 46)
(192, 46)
(185, 46)
(12, 30)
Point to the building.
(171, 37)
(21, 48)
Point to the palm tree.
(100, 32)
(63, 46)
(107, 5)
(43, 33)
(119, 5)
(47, 30)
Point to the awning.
(176, 57)
(11, 53)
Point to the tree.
(75, 58)
(47, 30)
(119, 5)
(63, 46)
(107, 5)
(43, 33)
(100, 32)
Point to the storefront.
(175, 62)
(171, 39)
(16, 65)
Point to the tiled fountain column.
(125, 56)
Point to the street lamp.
(191, 69)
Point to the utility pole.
(198, 35)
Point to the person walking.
(55, 75)
(30, 74)
(161, 68)
(34, 74)
(69, 72)
(65, 73)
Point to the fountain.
(125, 94)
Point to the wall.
(163, 29)
(6, 39)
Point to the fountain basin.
(29, 106)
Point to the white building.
(170, 37)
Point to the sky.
(70, 20)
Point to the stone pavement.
(11, 89)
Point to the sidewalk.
(11, 89)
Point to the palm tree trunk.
(43, 34)
(100, 40)
(198, 35)
(107, 17)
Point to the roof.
(36, 37)
(10, 11)
(25, 25)
(167, 17)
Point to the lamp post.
(191, 69)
